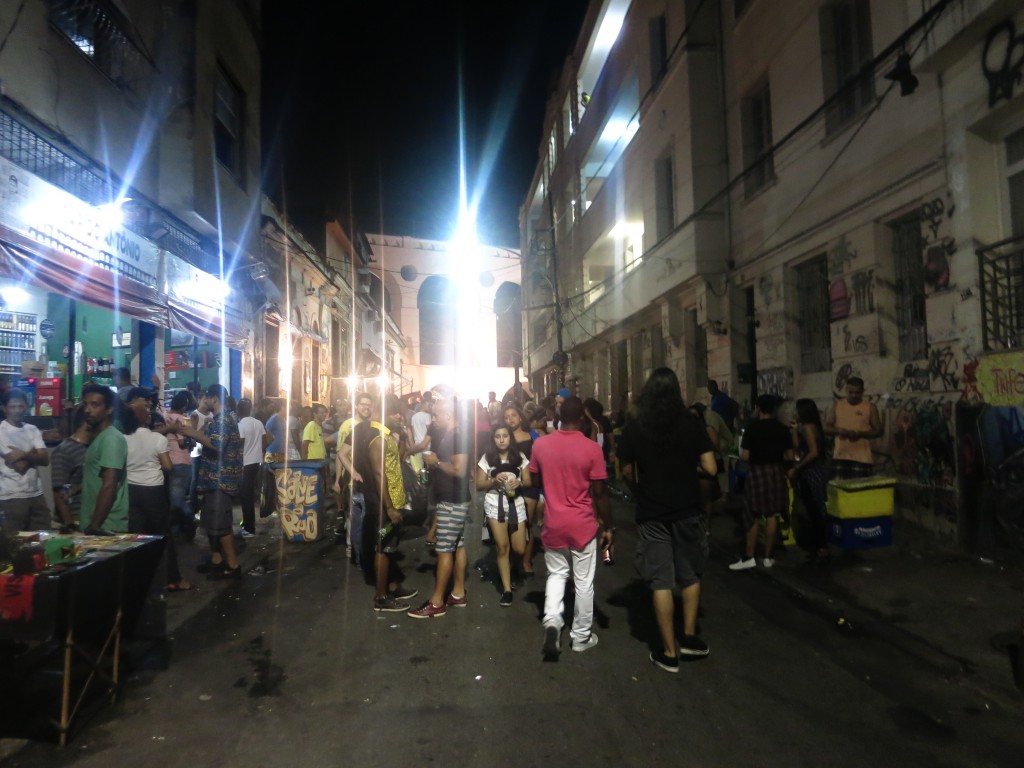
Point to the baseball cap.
(564, 392)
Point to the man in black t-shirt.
(767, 447)
(449, 472)
(660, 451)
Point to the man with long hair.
(660, 451)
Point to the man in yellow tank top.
(854, 423)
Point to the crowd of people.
(130, 466)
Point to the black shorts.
(670, 553)
(216, 516)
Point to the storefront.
(81, 295)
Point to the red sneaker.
(457, 602)
(427, 611)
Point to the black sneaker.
(389, 604)
(668, 663)
(691, 645)
(403, 593)
(225, 573)
(551, 649)
(506, 599)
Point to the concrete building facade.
(783, 196)
(452, 307)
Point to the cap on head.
(564, 392)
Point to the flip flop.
(178, 588)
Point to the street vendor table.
(80, 611)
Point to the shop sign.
(58, 219)
(1001, 378)
(46, 329)
(192, 285)
(177, 360)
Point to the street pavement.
(292, 667)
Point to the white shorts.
(491, 507)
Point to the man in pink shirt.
(572, 472)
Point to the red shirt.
(567, 463)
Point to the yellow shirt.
(314, 435)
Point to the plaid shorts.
(766, 492)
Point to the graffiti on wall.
(944, 369)
(843, 374)
(775, 381)
(921, 442)
(1002, 61)
(840, 255)
(939, 245)
(914, 379)
(1000, 378)
(852, 295)
(855, 336)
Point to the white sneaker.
(768, 562)
(586, 646)
(742, 565)
(247, 535)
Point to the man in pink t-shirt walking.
(572, 472)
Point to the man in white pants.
(572, 470)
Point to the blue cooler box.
(859, 532)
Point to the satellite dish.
(486, 279)
(409, 273)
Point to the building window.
(664, 199)
(815, 333)
(758, 160)
(229, 109)
(97, 29)
(911, 321)
(845, 49)
(435, 300)
(659, 49)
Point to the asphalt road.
(295, 669)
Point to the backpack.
(415, 497)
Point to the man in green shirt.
(104, 484)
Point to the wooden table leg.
(65, 703)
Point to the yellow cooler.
(861, 497)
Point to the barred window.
(100, 31)
(1002, 294)
(911, 320)
(815, 333)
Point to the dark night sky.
(360, 104)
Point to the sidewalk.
(942, 606)
(266, 550)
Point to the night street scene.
(556, 382)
